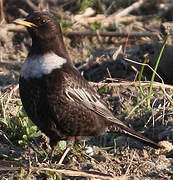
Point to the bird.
(55, 96)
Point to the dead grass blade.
(69, 172)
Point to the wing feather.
(91, 101)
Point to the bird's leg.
(70, 144)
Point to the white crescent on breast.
(38, 65)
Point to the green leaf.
(4, 121)
(102, 89)
(62, 145)
(32, 130)
(25, 137)
(22, 143)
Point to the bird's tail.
(129, 132)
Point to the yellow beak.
(24, 23)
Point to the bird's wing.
(79, 91)
(88, 97)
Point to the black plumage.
(54, 94)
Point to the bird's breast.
(38, 65)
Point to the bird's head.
(45, 32)
(40, 25)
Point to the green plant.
(65, 24)
(102, 89)
(155, 70)
(85, 4)
(19, 127)
(28, 129)
(146, 95)
(95, 26)
(53, 175)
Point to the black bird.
(54, 94)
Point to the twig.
(23, 12)
(6, 138)
(9, 62)
(131, 160)
(32, 5)
(144, 64)
(69, 172)
(100, 18)
(2, 16)
(134, 83)
(129, 9)
(111, 34)
(19, 28)
(132, 18)
(116, 53)
(12, 28)
(16, 87)
(92, 62)
(115, 17)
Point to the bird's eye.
(43, 21)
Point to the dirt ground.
(112, 63)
